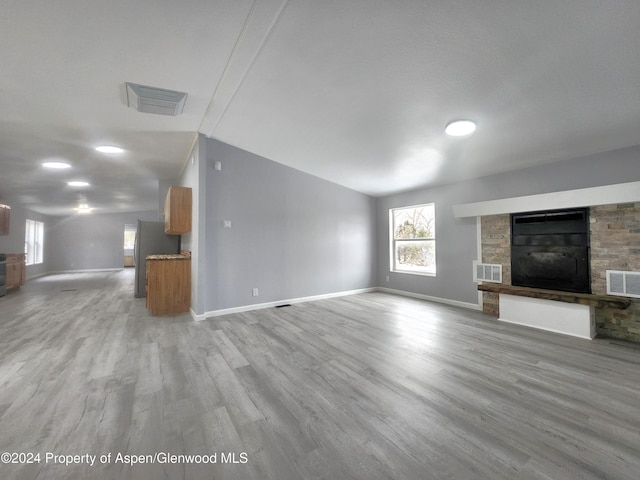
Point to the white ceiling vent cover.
(155, 100)
(623, 283)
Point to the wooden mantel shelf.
(601, 301)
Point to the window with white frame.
(413, 239)
(129, 237)
(34, 242)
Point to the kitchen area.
(163, 270)
(12, 265)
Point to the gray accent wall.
(608, 168)
(194, 176)
(292, 235)
(456, 238)
(89, 242)
(455, 247)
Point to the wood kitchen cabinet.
(5, 217)
(168, 284)
(16, 270)
(177, 211)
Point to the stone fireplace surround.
(615, 245)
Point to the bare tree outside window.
(413, 239)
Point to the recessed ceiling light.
(460, 128)
(77, 183)
(109, 149)
(56, 165)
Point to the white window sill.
(409, 272)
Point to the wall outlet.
(226, 224)
(217, 166)
(387, 278)
(255, 292)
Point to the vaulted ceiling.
(354, 91)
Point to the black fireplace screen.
(550, 250)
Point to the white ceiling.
(354, 91)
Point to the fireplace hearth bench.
(568, 313)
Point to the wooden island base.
(168, 284)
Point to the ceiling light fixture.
(78, 183)
(460, 128)
(84, 208)
(56, 165)
(109, 149)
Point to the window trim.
(392, 242)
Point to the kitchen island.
(169, 283)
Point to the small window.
(129, 237)
(34, 242)
(413, 239)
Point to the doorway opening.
(129, 244)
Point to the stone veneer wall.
(496, 248)
(615, 245)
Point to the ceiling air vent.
(155, 100)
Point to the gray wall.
(617, 166)
(455, 247)
(88, 242)
(194, 176)
(456, 238)
(293, 235)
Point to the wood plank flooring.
(370, 386)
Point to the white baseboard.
(447, 301)
(37, 275)
(259, 306)
(88, 270)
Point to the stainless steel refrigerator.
(150, 240)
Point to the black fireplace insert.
(550, 250)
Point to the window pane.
(28, 242)
(413, 246)
(39, 242)
(414, 222)
(34, 242)
(416, 256)
(129, 239)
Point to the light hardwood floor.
(370, 386)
